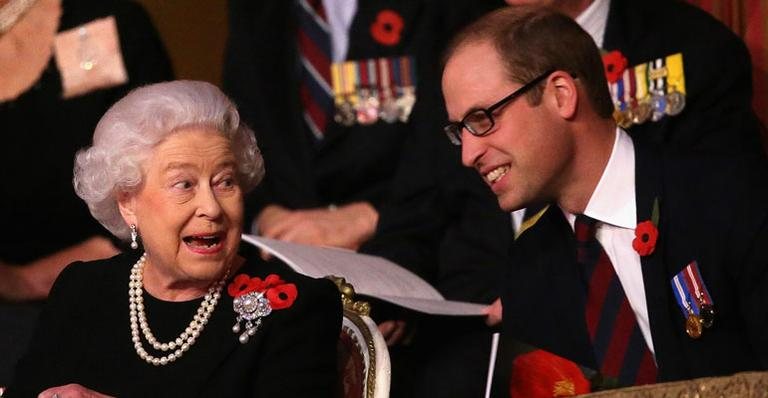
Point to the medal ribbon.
(683, 295)
(675, 75)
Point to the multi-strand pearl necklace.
(181, 344)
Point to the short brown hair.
(531, 41)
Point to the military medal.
(693, 326)
(675, 103)
(367, 110)
(656, 77)
(675, 84)
(694, 300)
(368, 107)
(642, 105)
(389, 112)
(345, 113)
(406, 76)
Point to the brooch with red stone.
(255, 298)
(646, 233)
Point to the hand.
(33, 281)
(348, 226)
(71, 391)
(393, 331)
(493, 313)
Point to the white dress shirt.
(340, 14)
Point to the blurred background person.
(167, 170)
(332, 134)
(62, 64)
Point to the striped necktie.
(314, 44)
(619, 347)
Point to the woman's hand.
(71, 391)
(347, 226)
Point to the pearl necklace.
(181, 344)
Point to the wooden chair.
(363, 358)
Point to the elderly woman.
(183, 314)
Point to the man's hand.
(33, 281)
(493, 313)
(71, 391)
(348, 226)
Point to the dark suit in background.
(713, 211)
(355, 163)
(43, 132)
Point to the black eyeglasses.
(480, 121)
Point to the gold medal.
(693, 326)
(345, 114)
(642, 111)
(621, 118)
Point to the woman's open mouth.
(205, 243)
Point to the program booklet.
(371, 276)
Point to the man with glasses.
(628, 272)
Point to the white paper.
(492, 364)
(370, 275)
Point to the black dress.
(84, 337)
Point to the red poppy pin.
(255, 298)
(539, 373)
(615, 63)
(646, 233)
(387, 27)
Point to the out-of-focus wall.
(194, 32)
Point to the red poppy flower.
(542, 374)
(645, 238)
(272, 280)
(615, 63)
(387, 27)
(239, 286)
(282, 296)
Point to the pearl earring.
(134, 235)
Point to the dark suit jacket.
(718, 115)
(711, 211)
(352, 163)
(84, 337)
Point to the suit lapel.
(656, 275)
(543, 306)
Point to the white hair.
(132, 127)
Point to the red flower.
(542, 374)
(645, 238)
(282, 296)
(615, 64)
(240, 285)
(387, 27)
